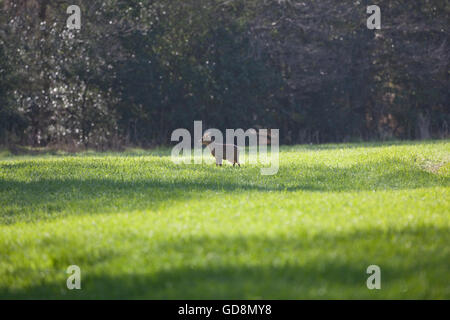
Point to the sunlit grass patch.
(140, 226)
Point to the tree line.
(139, 69)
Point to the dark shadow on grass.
(165, 151)
(338, 275)
(20, 151)
(97, 195)
(355, 145)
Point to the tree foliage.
(137, 70)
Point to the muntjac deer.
(230, 152)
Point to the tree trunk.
(423, 125)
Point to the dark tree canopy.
(137, 70)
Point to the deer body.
(229, 152)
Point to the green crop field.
(140, 226)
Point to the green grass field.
(140, 226)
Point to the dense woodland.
(139, 69)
